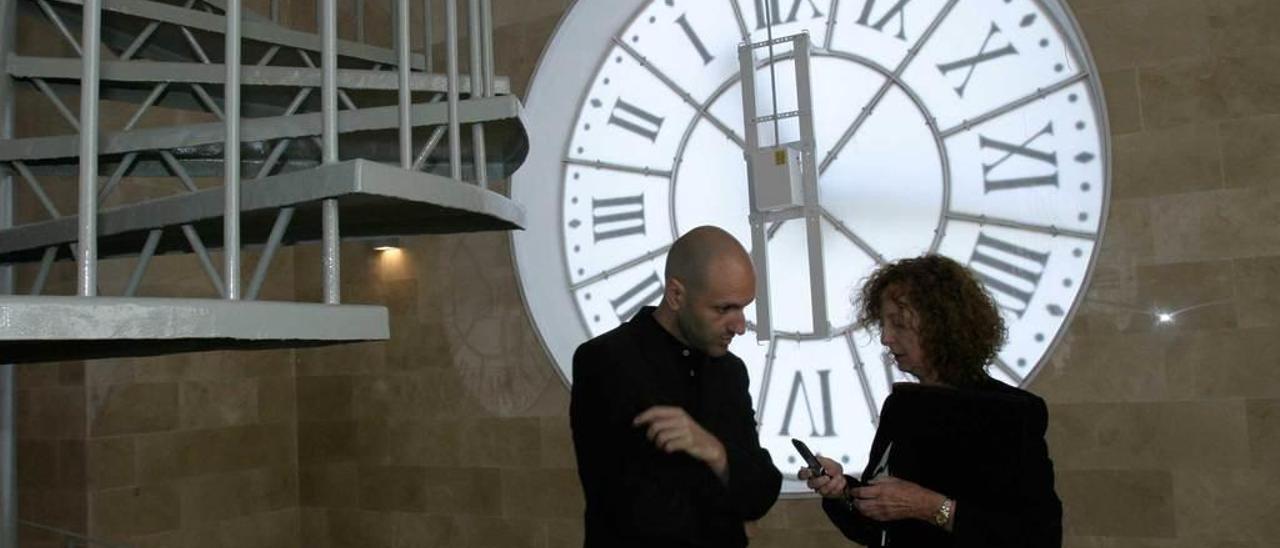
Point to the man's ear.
(675, 294)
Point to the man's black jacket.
(637, 495)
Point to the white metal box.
(778, 180)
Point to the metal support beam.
(48, 92)
(342, 95)
(144, 260)
(60, 24)
(178, 171)
(278, 229)
(37, 189)
(193, 239)
(278, 150)
(91, 44)
(197, 245)
(759, 252)
(147, 103)
(231, 156)
(145, 35)
(436, 134)
(117, 175)
(329, 108)
(197, 88)
(812, 204)
(46, 265)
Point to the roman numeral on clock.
(1008, 270)
(617, 217)
(798, 390)
(982, 56)
(683, 21)
(630, 301)
(636, 120)
(894, 11)
(775, 13)
(1023, 150)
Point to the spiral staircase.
(337, 140)
(311, 171)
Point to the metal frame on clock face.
(938, 154)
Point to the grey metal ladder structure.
(364, 161)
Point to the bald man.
(663, 426)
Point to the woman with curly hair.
(958, 459)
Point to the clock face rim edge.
(581, 23)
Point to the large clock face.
(970, 128)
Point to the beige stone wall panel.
(454, 433)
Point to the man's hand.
(673, 430)
(889, 499)
(831, 485)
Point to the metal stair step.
(69, 68)
(375, 200)
(503, 107)
(41, 328)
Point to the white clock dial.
(971, 128)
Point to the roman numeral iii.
(617, 217)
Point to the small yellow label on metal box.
(780, 157)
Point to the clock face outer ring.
(560, 81)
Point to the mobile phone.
(814, 466)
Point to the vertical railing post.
(8, 456)
(451, 62)
(429, 36)
(8, 402)
(402, 57)
(486, 7)
(87, 267)
(360, 21)
(475, 20)
(231, 153)
(329, 106)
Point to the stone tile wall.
(454, 432)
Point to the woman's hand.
(890, 499)
(830, 485)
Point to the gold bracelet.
(943, 516)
